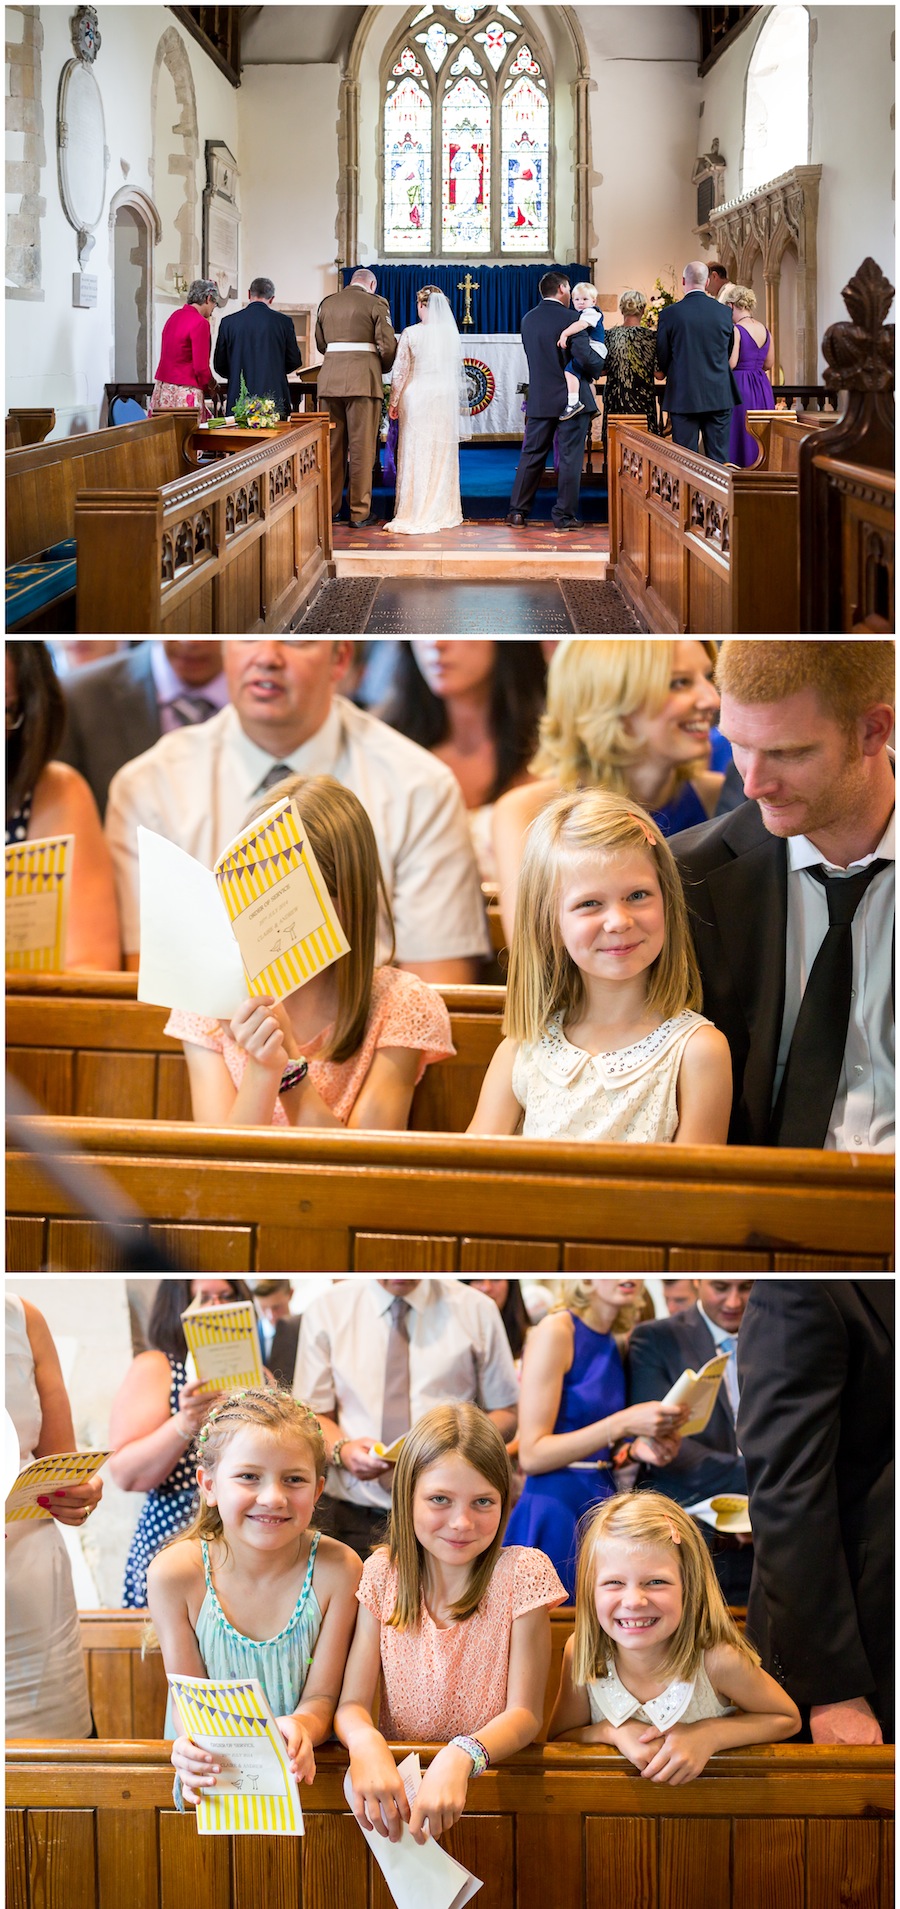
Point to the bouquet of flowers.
(254, 414)
(659, 298)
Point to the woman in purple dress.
(572, 1412)
(752, 361)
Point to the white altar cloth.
(498, 364)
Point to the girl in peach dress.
(457, 1628)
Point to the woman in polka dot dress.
(155, 1418)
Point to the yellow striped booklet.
(255, 1793)
(58, 1471)
(38, 880)
(224, 1344)
(279, 908)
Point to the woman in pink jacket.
(183, 375)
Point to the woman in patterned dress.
(156, 1415)
(630, 365)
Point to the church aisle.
(488, 550)
(441, 606)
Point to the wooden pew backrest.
(43, 480)
(789, 1827)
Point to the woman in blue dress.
(155, 1418)
(572, 1413)
(627, 715)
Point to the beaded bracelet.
(480, 1756)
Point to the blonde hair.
(543, 980)
(644, 1519)
(447, 1428)
(343, 843)
(584, 285)
(632, 303)
(725, 294)
(426, 293)
(577, 1295)
(743, 297)
(593, 687)
(273, 1410)
(848, 678)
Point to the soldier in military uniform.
(354, 331)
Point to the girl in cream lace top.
(604, 1040)
(655, 1666)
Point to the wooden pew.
(28, 424)
(780, 435)
(84, 1044)
(560, 1827)
(699, 548)
(242, 1200)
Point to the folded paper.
(38, 880)
(698, 1391)
(255, 1793)
(224, 1344)
(418, 1875)
(59, 1471)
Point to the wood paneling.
(843, 1866)
(694, 1860)
(621, 1863)
(25, 1245)
(612, 1259)
(508, 1256)
(769, 1863)
(127, 1854)
(686, 1259)
(60, 1846)
(194, 1871)
(403, 1253)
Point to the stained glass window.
(407, 169)
(467, 134)
(466, 169)
(524, 179)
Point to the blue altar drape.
(505, 292)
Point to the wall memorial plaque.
(82, 155)
(221, 220)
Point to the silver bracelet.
(185, 1437)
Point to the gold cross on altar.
(468, 285)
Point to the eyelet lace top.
(682, 1702)
(281, 1663)
(404, 1012)
(438, 1683)
(629, 1094)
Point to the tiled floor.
(485, 549)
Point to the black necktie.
(193, 709)
(277, 773)
(812, 1075)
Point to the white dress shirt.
(458, 1354)
(863, 1111)
(196, 786)
(731, 1372)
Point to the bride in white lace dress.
(430, 397)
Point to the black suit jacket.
(734, 875)
(693, 343)
(547, 393)
(262, 344)
(111, 717)
(658, 1352)
(283, 1356)
(816, 1427)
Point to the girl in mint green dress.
(248, 1590)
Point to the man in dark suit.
(117, 708)
(260, 343)
(279, 1328)
(693, 343)
(809, 724)
(547, 398)
(658, 1352)
(816, 1427)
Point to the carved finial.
(860, 356)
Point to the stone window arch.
(173, 166)
(777, 98)
(135, 230)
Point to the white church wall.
(289, 193)
(56, 355)
(852, 91)
(643, 121)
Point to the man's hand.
(358, 1457)
(849, 1722)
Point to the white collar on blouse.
(561, 1063)
(664, 1710)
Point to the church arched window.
(467, 136)
(776, 108)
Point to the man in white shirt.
(457, 1352)
(196, 786)
(792, 895)
(708, 1464)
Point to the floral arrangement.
(659, 298)
(254, 414)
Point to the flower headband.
(218, 1410)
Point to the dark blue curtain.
(505, 292)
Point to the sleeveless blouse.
(629, 1094)
(683, 1702)
(280, 1663)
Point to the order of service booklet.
(224, 1344)
(698, 1391)
(58, 1471)
(255, 1793)
(262, 922)
(38, 881)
